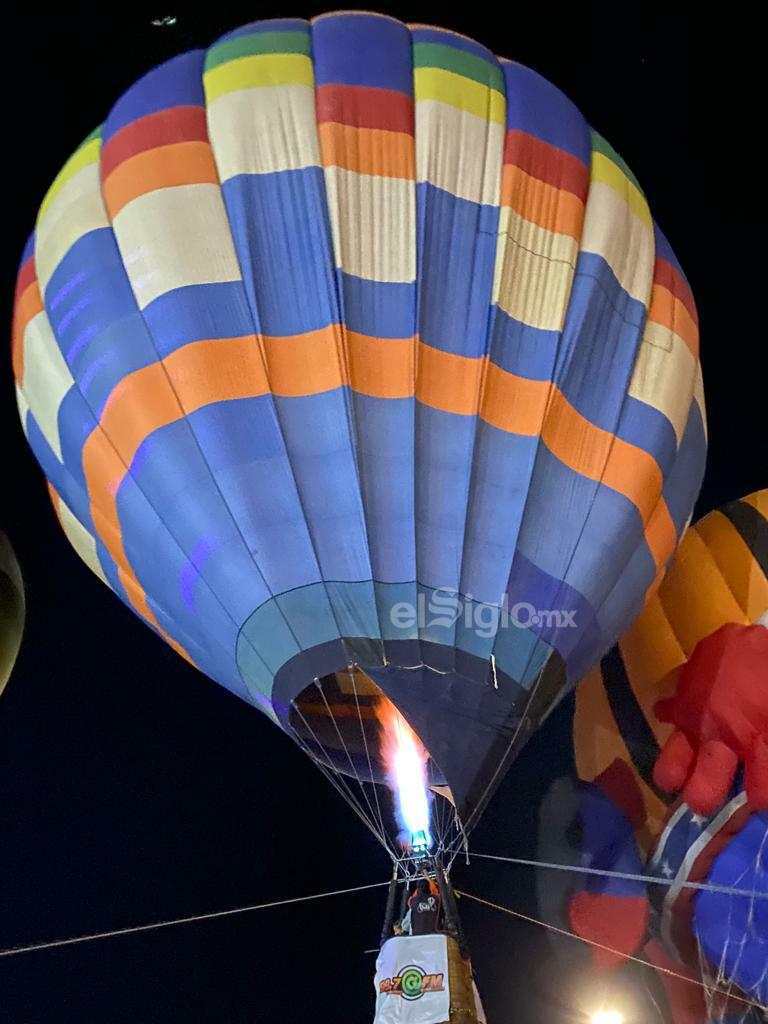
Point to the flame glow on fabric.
(346, 342)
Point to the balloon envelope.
(719, 576)
(11, 609)
(338, 338)
(733, 929)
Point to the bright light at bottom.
(607, 1017)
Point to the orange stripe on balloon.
(188, 379)
(651, 650)
(216, 371)
(661, 537)
(672, 279)
(381, 367)
(447, 381)
(598, 743)
(740, 569)
(104, 471)
(26, 275)
(696, 597)
(758, 500)
(141, 403)
(130, 584)
(53, 494)
(301, 365)
(543, 204)
(305, 364)
(209, 371)
(367, 150)
(185, 163)
(599, 455)
(193, 376)
(161, 128)
(546, 162)
(529, 408)
(666, 309)
(27, 307)
(515, 404)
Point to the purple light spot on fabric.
(261, 700)
(92, 370)
(80, 342)
(65, 289)
(187, 585)
(542, 592)
(78, 308)
(200, 553)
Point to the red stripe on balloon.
(164, 128)
(364, 107)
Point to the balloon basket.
(463, 1005)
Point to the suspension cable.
(55, 943)
(625, 875)
(353, 769)
(337, 781)
(351, 673)
(608, 949)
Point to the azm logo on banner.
(412, 980)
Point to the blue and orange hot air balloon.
(343, 341)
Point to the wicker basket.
(463, 1009)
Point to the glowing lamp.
(607, 1017)
(420, 843)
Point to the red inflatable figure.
(720, 714)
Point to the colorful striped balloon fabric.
(348, 341)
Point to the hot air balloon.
(360, 371)
(719, 577)
(11, 609)
(707, 620)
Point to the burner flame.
(406, 760)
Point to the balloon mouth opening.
(338, 720)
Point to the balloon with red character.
(671, 749)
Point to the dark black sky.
(131, 788)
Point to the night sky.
(132, 789)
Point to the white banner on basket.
(479, 1010)
(412, 981)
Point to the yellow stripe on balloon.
(258, 71)
(606, 171)
(76, 209)
(460, 92)
(82, 157)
